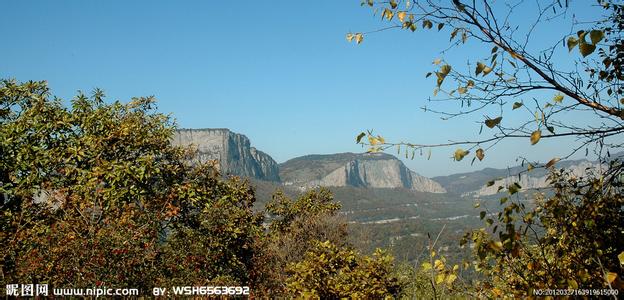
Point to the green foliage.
(285, 211)
(295, 227)
(571, 239)
(330, 272)
(95, 194)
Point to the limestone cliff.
(375, 170)
(232, 150)
(535, 181)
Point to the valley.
(385, 203)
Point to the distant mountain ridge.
(358, 170)
(367, 170)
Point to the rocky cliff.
(473, 184)
(372, 170)
(232, 150)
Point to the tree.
(586, 85)
(95, 194)
(570, 237)
(295, 226)
(330, 272)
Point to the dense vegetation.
(94, 195)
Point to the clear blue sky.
(280, 72)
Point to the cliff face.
(232, 150)
(526, 181)
(376, 170)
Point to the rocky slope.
(232, 150)
(369, 170)
(474, 183)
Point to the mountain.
(366, 170)
(474, 183)
(232, 150)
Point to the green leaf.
(490, 183)
(427, 24)
(536, 136)
(558, 98)
(359, 137)
(491, 123)
(586, 49)
(482, 215)
(572, 42)
(460, 154)
(503, 200)
(516, 105)
(596, 36)
(514, 188)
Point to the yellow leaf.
(586, 49)
(401, 15)
(359, 38)
(439, 265)
(439, 278)
(552, 162)
(611, 276)
(486, 70)
(536, 136)
(460, 154)
(462, 90)
(373, 140)
(621, 258)
(480, 154)
(426, 266)
(572, 284)
(437, 61)
(558, 98)
(530, 167)
(498, 246)
(350, 36)
(572, 42)
(451, 278)
(596, 36)
(497, 292)
(479, 69)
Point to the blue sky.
(280, 72)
